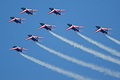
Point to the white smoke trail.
(59, 70)
(114, 40)
(82, 63)
(98, 54)
(110, 50)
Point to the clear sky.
(87, 13)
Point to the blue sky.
(79, 12)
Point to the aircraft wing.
(69, 28)
(12, 20)
(51, 12)
(23, 12)
(98, 30)
(13, 48)
(42, 27)
(29, 38)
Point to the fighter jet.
(18, 49)
(16, 20)
(73, 27)
(28, 11)
(55, 11)
(34, 38)
(103, 30)
(46, 26)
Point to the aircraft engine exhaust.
(114, 40)
(91, 51)
(53, 68)
(82, 63)
(110, 50)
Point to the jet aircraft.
(103, 30)
(55, 11)
(28, 11)
(18, 49)
(73, 27)
(46, 26)
(16, 20)
(34, 38)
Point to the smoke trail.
(112, 51)
(82, 63)
(98, 54)
(59, 70)
(114, 40)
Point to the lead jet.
(18, 49)
(34, 38)
(28, 11)
(16, 20)
(103, 30)
(46, 26)
(55, 11)
(73, 27)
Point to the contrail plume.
(82, 63)
(114, 40)
(98, 54)
(53, 68)
(110, 50)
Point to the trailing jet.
(73, 27)
(55, 11)
(34, 38)
(28, 11)
(18, 49)
(16, 20)
(103, 30)
(46, 26)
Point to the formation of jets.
(47, 26)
